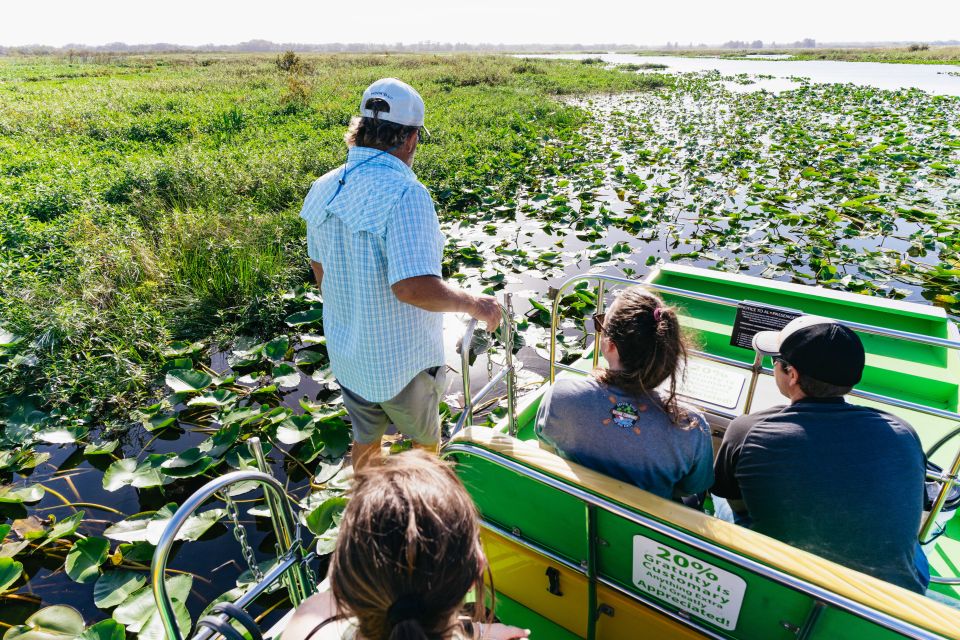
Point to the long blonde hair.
(409, 551)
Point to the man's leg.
(369, 422)
(416, 410)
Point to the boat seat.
(477, 475)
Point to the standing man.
(840, 480)
(376, 250)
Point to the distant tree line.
(266, 46)
(83, 51)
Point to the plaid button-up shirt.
(377, 228)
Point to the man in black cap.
(840, 480)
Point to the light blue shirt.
(378, 229)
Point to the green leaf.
(219, 398)
(139, 611)
(217, 445)
(327, 472)
(182, 348)
(85, 557)
(104, 630)
(296, 429)
(188, 464)
(276, 349)
(322, 518)
(10, 494)
(188, 380)
(101, 448)
(66, 527)
(10, 572)
(285, 376)
(62, 435)
(301, 318)
(307, 358)
(149, 526)
(113, 587)
(139, 475)
(58, 622)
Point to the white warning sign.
(689, 583)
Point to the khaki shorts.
(415, 411)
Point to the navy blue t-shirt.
(627, 437)
(840, 480)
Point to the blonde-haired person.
(624, 420)
(408, 553)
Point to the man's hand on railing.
(486, 309)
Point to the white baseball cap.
(405, 106)
(768, 342)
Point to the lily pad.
(62, 435)
(139, 613)
(58, 622)
(188, 464)
(113, 587)
(10, 572)
(85, 557)
(323, 517)
(296, 429)
(139, 475)
(10, 494)
(101, 448)
(148, 527)
(303, 318)
(285, 376)
(188, 380)
(277, 348)
(104, 630)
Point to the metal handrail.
(285, 526)
(756, 368)
(508, 371)
(785, 579)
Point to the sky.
(194, 22)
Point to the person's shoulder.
(895, 422)
(741, 426)
(311, 613)
(576, 386)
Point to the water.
(932, 78)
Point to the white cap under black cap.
(404, 104)
(818, 347)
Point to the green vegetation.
(155, 198)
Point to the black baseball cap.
(818, 347)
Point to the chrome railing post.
(601, 291)
(948, 483)
(158, 566)
(755, 371)
(285, 529)
(508, 372)
(511, 373)
(466, 418)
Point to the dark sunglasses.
(783, 363)
(598, 322)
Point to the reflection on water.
(927, 77)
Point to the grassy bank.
(144, 199)
(908, 55)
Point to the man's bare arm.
(433, 294)
(317, 272)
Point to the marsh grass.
(146, 198)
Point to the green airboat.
(576, 554)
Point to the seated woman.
(408, 553)
(616, 421)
